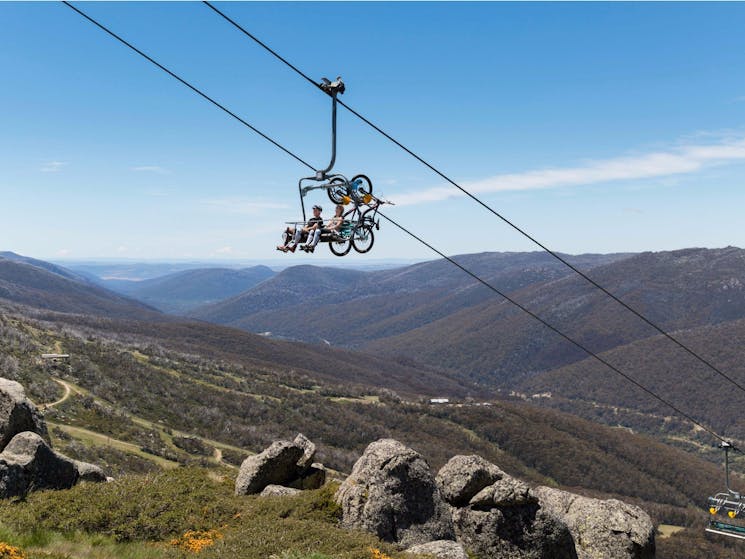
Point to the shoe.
(304, 248)
(282, 248)
(292, 248)
(310, 249)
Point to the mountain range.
(46, 286)
(440, 316)
(85, 304)
(142, 378)
(183, 291)
(356, 307)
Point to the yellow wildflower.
(195, 541)
(7, 551)
(377, 554)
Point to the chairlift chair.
(729, 503)
(359, 223)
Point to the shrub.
(154, 507)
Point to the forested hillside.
(40, 290)
(42, 285)
(140, 390)
(496, 344)
(589, 389)
(356, 307)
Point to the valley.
(145, 391)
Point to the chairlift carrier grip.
(321, 174)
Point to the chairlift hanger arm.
(333, 89)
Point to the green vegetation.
(142, 402)
(692, 544)
(151, 507)
(140, 398)
(175, 513)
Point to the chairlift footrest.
(724, 529)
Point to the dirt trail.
(68, 392)
(97, 438)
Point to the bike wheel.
(365, 186)
(340, 247)
(338, 191)
(363, 238)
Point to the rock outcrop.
(18, 413)
(392, 493)
(312, 478)
(601, 529)
(515, 532)
(27, 461)
(27, 464)
(278, 491)
(507, 492)
(274, 466)
(284, 463)
(464, 476)
(309, 451)
(442, 549)
(90, 472)
(495, 515)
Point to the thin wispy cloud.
(243, 206)
(681, 160)
(159, 193)
(151, 169)
(53, 166)
(224, 250)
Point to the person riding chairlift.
(333, 225)
(293, 235)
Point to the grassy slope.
(139, 517)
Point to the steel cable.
(486, 206)
(413, 235)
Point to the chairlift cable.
(486, 206)
(422, 241)
(187, 84)
(556, 330)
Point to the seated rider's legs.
(313, 237)
(298, 235)
(289, 234)
(287, 237)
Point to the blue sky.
(596, 127)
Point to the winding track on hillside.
(122, 445)
(68, 393)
